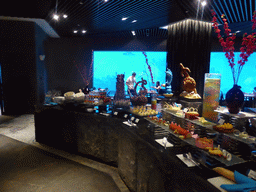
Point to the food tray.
(203, 144)
(219, 129)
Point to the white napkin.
(126, 123)
(186, 161)
(160, 141)
(218, 181)
(106, 114)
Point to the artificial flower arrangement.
(248, 44)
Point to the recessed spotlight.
(124, 18)
(75, 31)
(238, 31)
(105, 1)
(65, 16)
(84, 31)
(203, 3)
(164, 27)
(134, 21)
(56, 17)
(133, 33)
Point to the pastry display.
(204, 143)
(79, 97)
(173, 108)
(192, 113)
(179, 130)
(216, 151)
(203, 121)
(188, 84)
(143, 111)
(69, 96)
(224, 128)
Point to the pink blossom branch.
(149, 68)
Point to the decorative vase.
(234, 99)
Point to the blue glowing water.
(247, 80)
(107, 64)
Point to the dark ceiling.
(101, 17)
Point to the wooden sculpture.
(189, 84)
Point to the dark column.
(189, 43)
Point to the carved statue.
(169, 77)
(141, 99)
(188, 84)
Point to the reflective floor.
(46, 168)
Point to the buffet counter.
(130, 142)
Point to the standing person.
(130, 83)
(157, 87)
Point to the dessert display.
(59, 99)
(79, 97)
(119, 95)
(143, 111)
(216, 151)
(204, 143)
(224, 128)
(122, 103)
(173, 108)
(159, 121)
(179, 130)
(69, 96)
(168, 94)
(203, 121)
(188, 84)
(141, 99)
(192, 113)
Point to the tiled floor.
(21, 128)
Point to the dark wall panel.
(18, 66)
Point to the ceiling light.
(65, 16)
(56, 17)
(124, 18)
(84, 31)
(133, 33)
(238, 31)
(75, 31)
(164, 27)
(134, 21)
(105, 1)
(203, 3)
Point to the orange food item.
(180, 130)
(204, 143)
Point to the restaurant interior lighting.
(56, 17)
(133, 33)
(124, 18)
(83, 31)
(203, 3)
(134, 21)
(65, 16)
(75, 31)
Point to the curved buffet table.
(143, 164)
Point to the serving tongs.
(190, 158)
